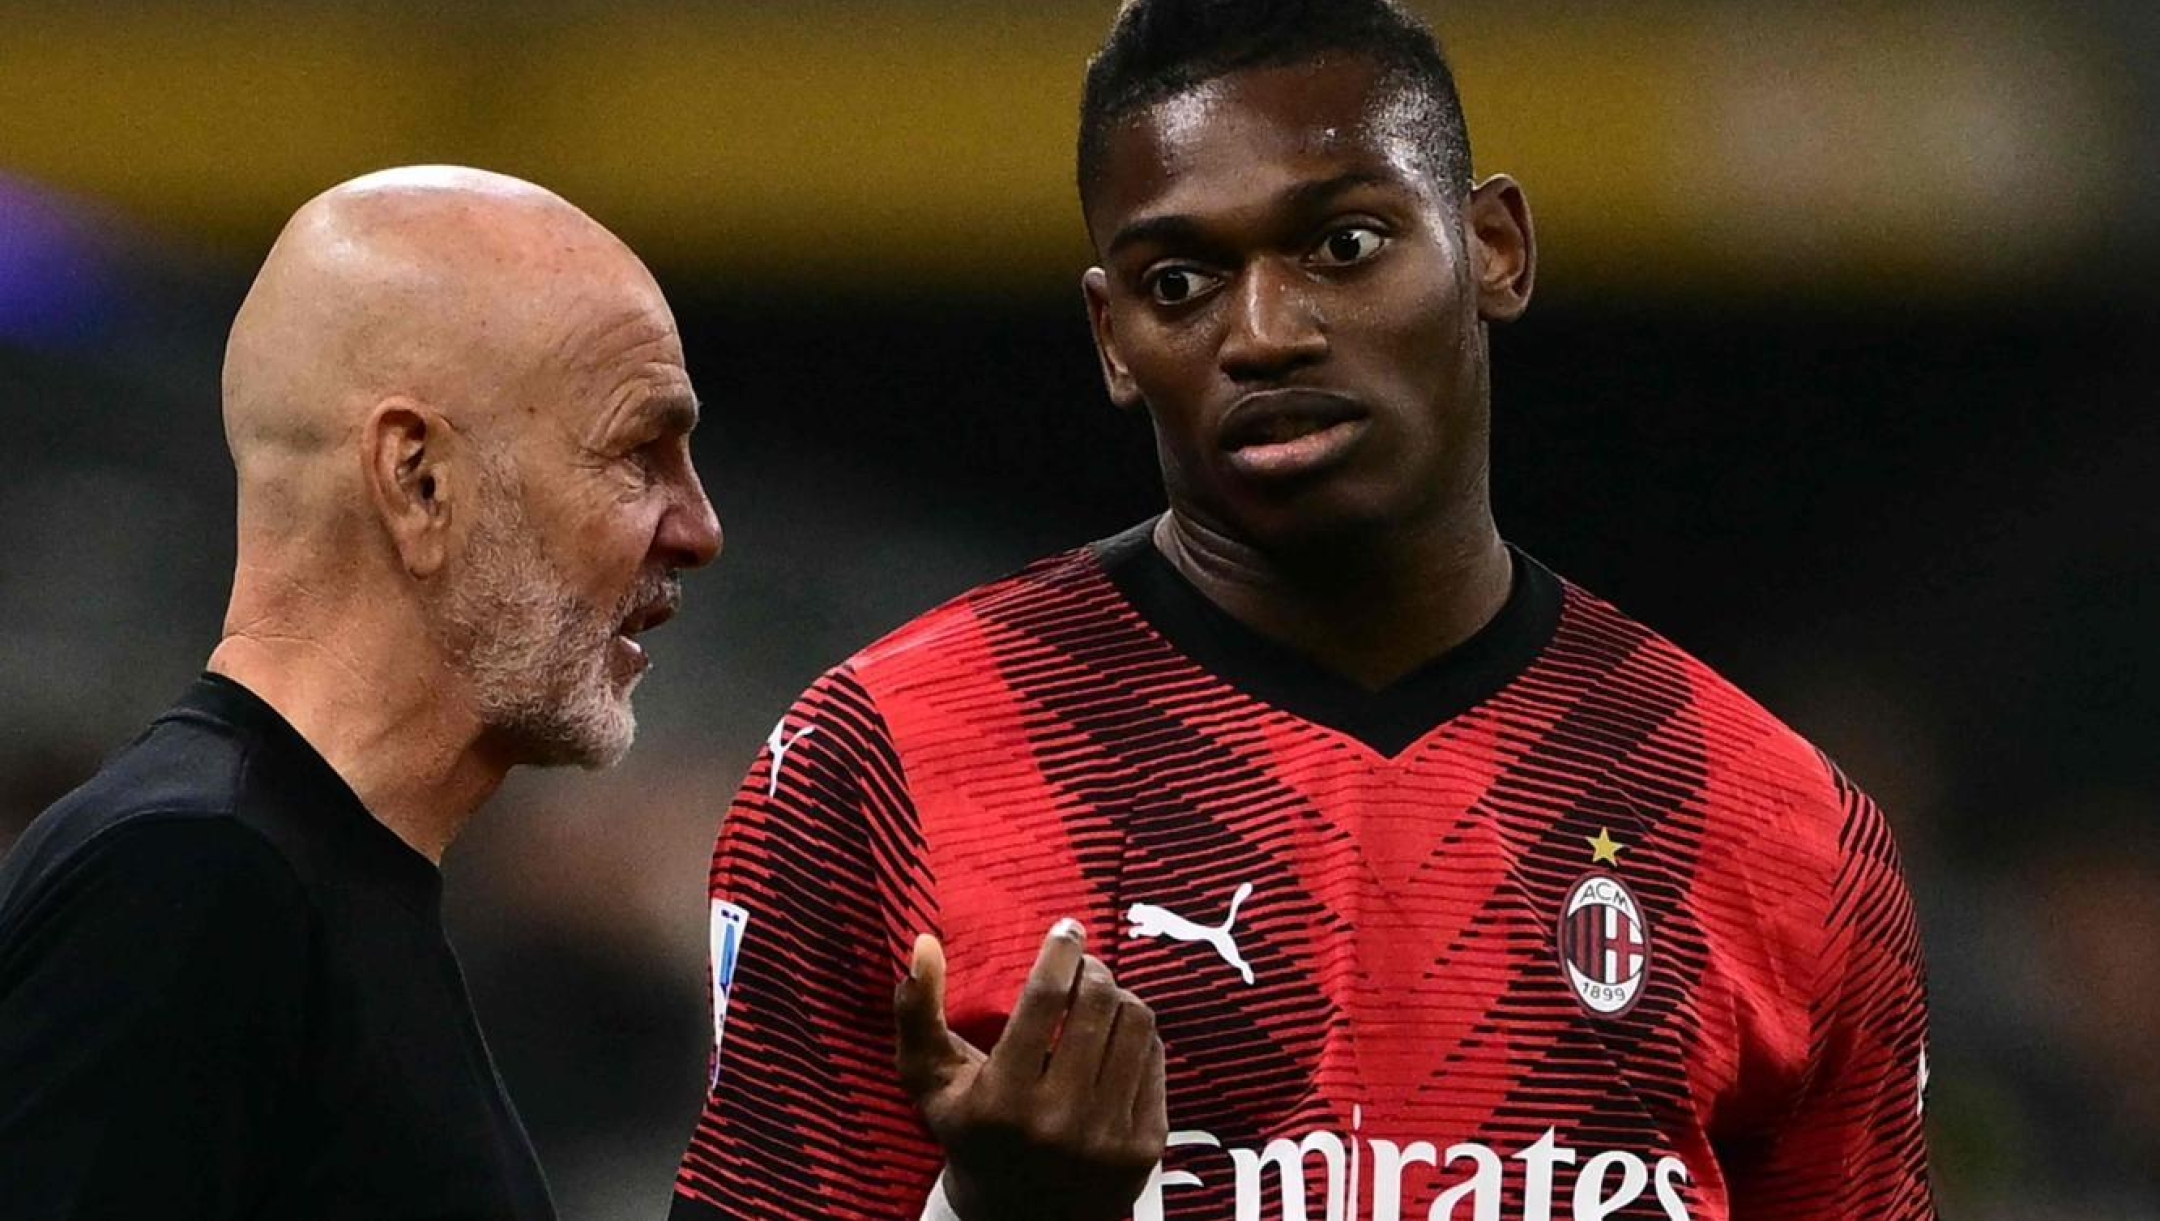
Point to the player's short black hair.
(1158, 48)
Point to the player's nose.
(1272, 326)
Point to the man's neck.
(1373, 610)
(419, 766)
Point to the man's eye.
(1175, 285)
(1351, 245)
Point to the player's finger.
(1127, 1057)
(1018, 1055)
(1076, 1060)
(1150, 1113)
(919, 1009)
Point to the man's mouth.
(1276, 434)
(647, 616)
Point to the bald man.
(460, 420)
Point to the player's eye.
(1349, 244)
(1177, 285)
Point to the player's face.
(1292, 295)
(579, 540)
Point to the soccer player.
(459, 415)
(1455, 893)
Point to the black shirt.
(225, 992)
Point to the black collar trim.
(1388, 721)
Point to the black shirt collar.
(1388, 720)
(303, 780)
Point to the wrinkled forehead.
(1262, 128)
(595, 320)
(616, 367)
(594, 325)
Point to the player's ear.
(1124, 391)
(1503, 247)
(406, 461)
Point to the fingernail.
(1070, 928)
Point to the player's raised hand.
(1064, 1118)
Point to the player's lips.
(1275, 434)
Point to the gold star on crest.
(1603, 849)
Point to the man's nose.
(690, 534)
(1273, 326)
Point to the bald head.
(461, 421)
(460, 418)
(454, 287)
(442, 283)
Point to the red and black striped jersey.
(1560, 926)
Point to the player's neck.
(1372, 612)
(418, 765)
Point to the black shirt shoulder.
(225, 992)
(183, 771)
(222, 755)
(154, 959)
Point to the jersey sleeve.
(151, 1024)
(1853, 1144)
(818, 888)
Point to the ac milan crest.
(1604, 945)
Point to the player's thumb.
(919, 1012)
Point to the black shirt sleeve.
(152, 1002)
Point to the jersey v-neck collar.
(1389, 720)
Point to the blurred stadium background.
(1841, 373)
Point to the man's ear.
(1124, 391)
(1503, 248)
(407, 452)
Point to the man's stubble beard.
(535, 655)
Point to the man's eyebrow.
(1177, 229)
(673, 412)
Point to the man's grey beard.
(536, 654)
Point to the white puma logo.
(780, 744)
(1149, 920)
